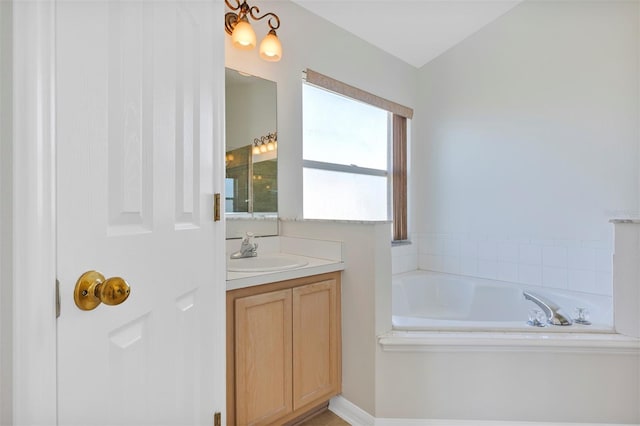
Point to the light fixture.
(273, 142)
(242, 35)
(268, 142)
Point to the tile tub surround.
(610, 360)
(405, 256)
(575, 265)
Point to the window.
(345, 153)
(354, 154)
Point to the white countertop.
(314, 266)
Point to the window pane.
(344, 196)
(340, 130)
(229, 190)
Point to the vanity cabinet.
(283, 349)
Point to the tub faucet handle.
(582, 316)
(537, 318)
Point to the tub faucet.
(553, 312)
(247, 248)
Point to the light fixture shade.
(270, 48)
(243, 37)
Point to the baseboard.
(356, 416)
(350, 412)
(445, 422)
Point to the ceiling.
(416, 31)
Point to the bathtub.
(425, 300)
(462, 345)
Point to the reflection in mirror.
(251, 187)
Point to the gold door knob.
(92, 289)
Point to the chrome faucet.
(554, 313)
(247, 248)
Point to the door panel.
(130, 115)
(136, 100)
(187, 119)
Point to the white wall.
(501, 121)
(540, 386)
(366, 298)
(528, 140)
(251, 114)
(6, 259)
(311, 42)
(626, 278)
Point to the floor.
(327, 418)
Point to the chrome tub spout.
(554, 313)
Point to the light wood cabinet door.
(283, 350)
(316, 342)
(264, 357)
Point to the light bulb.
(243, 37)
(263, 148)
(270, 48)
(270, 146)
(256, 150)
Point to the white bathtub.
(424, 300)
(463, 342)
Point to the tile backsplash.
(574, 265)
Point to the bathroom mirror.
(251, 160)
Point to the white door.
(137, 127)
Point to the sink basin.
(266, 263)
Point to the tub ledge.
(478, 341)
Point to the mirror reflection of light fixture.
(242, 35)
(268, 142)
